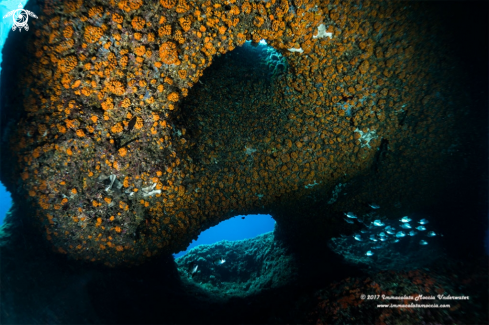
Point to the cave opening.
(237, 228)
(248, 260)
(5, 203)
(230, 115)
(232, 104)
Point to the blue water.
(6, 23)
(5, 27)
(234, 229)
(5, 202)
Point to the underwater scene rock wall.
(130, 127)
(124, 148)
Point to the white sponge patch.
(300, 50)
(322, 32)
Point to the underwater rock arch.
(102, 154)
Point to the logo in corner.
(20, 17)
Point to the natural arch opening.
(230, 119)
(5, 203)
(238, 268)
(237, 228)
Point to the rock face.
(250, 266)
(124, 150)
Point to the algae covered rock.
(239, 268)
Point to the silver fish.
(421, 228)
(358, 237)
(219, 261)
(374, 206)
(406, 226)
(423, 242)
(400, 234)
(349, 221)
(412, 233)
(351, 215)
(405, 219)
(378, 223)
(423, 222)
(431, 234)
(369, 253)
(193, 269)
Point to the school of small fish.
(389, 233)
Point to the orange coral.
(108, 104)
(240, 38)
(185, 22)
(68, 32)
(95, 11)
(182, 6)
(135, 4)
(138, 23)
(168, 53)
(140, 50)
(168, 4)
(117, 18)
(67, 64)
(234, 10)
(364, 66)
(246, 7)
(72, 6)
(122, 152)
(64, 46)
(129, 5)
(173, 97)
(117, 88)
(117, 128)
(139, 123)
(179, 37)
(123, 61)
(258, 21)
(126, 102)
(93, 33)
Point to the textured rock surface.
(121, 156)
(251, 266)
